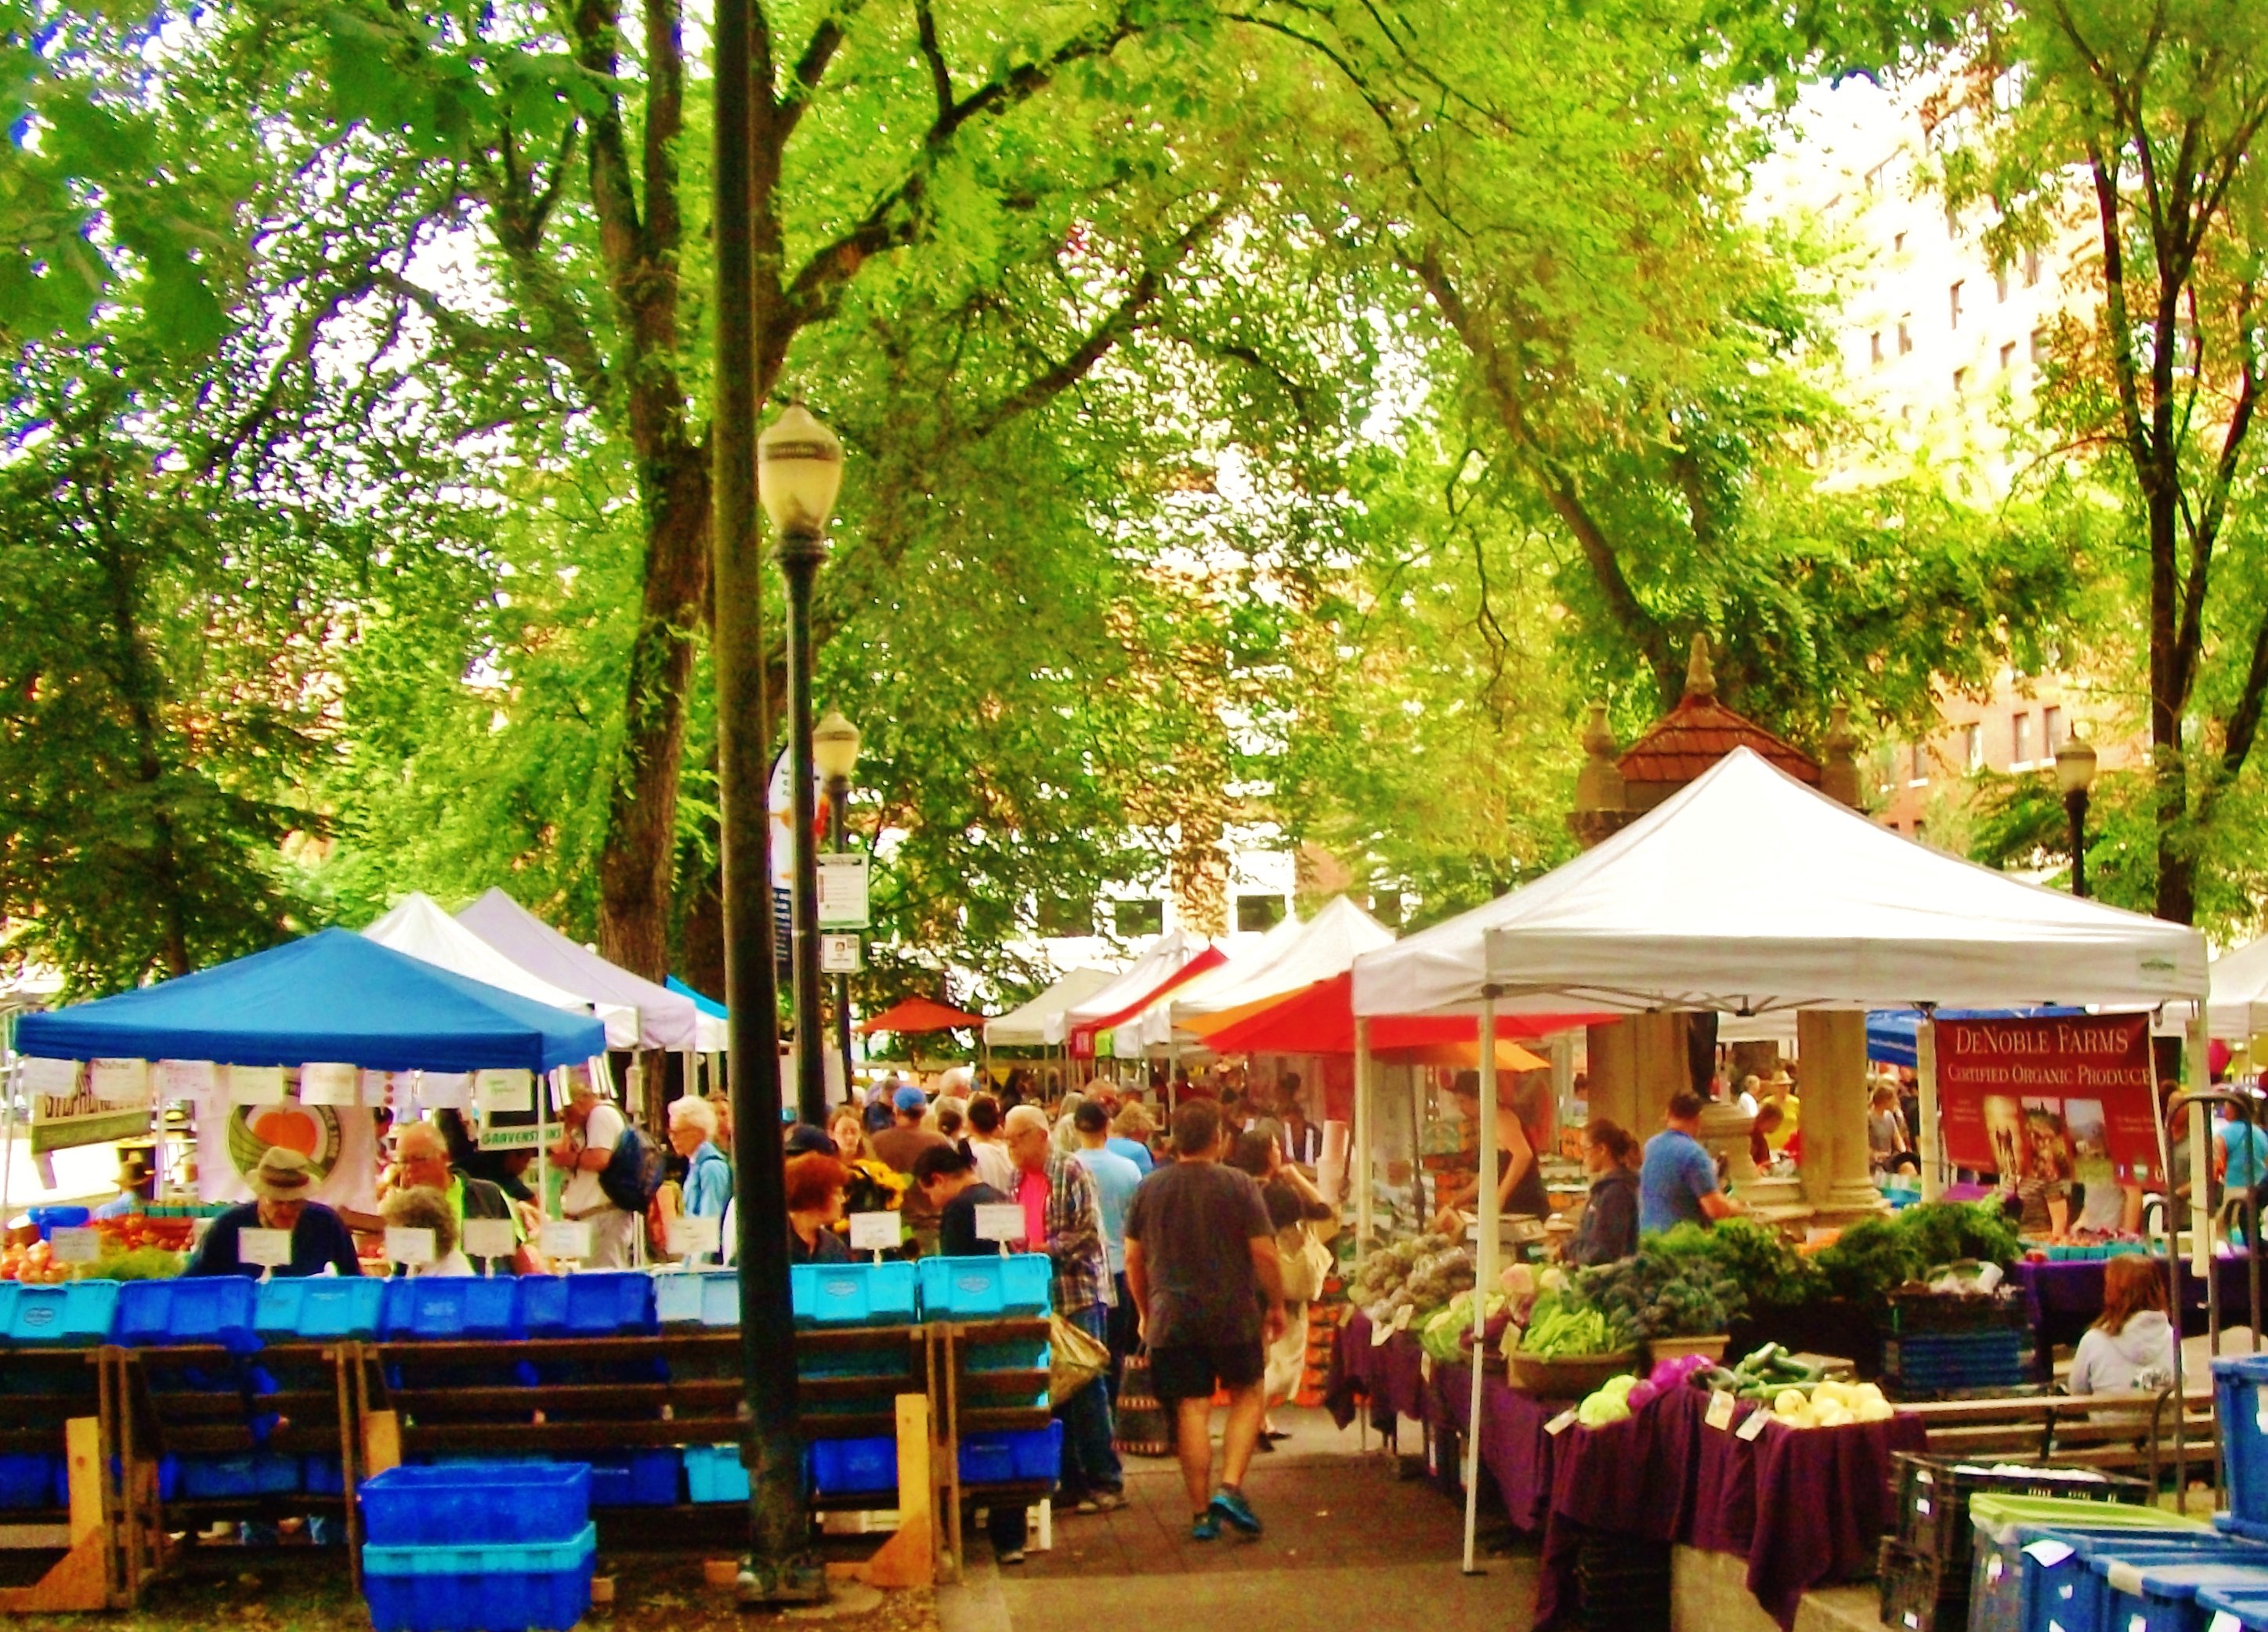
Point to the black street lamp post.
(834, 746)
(799, 472)
(2075, 775)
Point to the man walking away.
(1201, 1267)
(1063, 1219)
(1116, 1179)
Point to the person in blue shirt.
(708, 1175)
(137, 1181)
(2241, 1151)
(1677, 1180)
(1116, 1179)
(319, 1236)
(1130, 1136)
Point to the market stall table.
(2064, 1298)
(1390, 1375)
(1514, 1449)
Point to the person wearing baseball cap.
(899, 1146)
(282, 1186)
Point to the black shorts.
(1193, 1371)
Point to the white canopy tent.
(1325, 945)
(418, 926)
(1026, 1026)
(664, 1019)
(2238, 1011)
(1158, 962)
(1748, 892)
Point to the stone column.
(1832, 1046)
(1612, 1087)
(1661, 1067)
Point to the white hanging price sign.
(409, 1246)
(1000, 1221)
(75, 1245)
(512, 1092)
(876, 1233)
(327, 1083)
(445, 1090)
(704, 1232)
(1753, 1428)
(119, 1081)
(187, 1079)
(567, 1237)
(1721, 1410)
(490, 1237)
(56, 1077)
(1561, 1423)
(265, 1249)
(255, 1085)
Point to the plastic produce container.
(476, 1503)
(1027, 1454)
(2232, 1610)
(442, 1307)
(259, 1473)
(203, 1309)
(714, 1473)
(75, 1314)
(28, 1479)
(2006, 1524)
(699, 1297)
(844, 1467)
(47, 1220)
(635, 1478)
(854, 1295)
(480, 1588)
(2063, 1588)
(2162, 1597)
(984, 1288)
(2242, 1410)
(596, 1303)
(318, 1308)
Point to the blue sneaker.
(1205, 1528)
(1231, 1505)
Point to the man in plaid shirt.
(1059, 1198)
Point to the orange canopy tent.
(1319, 1020)
(918, 1013)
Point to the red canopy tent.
(918, 1013)
(1083, 1035)
(1319, 1020)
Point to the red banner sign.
(2049, 1098)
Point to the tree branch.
(940, 77)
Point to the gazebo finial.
(1700, 682)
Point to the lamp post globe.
(834, 750)
(834, 746)
(2075, 775)
(798, 473)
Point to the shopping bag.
(1075, 1359)
(1143, 1429)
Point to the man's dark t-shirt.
(320, 1237)
(897, 1147)
(1195, 1221)
(957, 1223)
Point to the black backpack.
(632, 1176)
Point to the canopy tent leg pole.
(1484, 1269)
(13, 1076)
(1933, 1179)
(1360, 1162)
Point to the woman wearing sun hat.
(280, 1186)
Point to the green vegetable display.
(1658, 1294)
(1763, 1263)
(1560, 1325)
(1442, 1333)
(1610, 1404)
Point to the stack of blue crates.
(478, 1547)
(2242, 1408)
(994, 1288)
(1936, 1365)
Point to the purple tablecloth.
(2066, 1297)
(1514, 1449)
(1391, 1376)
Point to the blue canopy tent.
(334, 996)
(1891, 1032)
(707, 1005)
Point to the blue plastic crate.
(2242, 1409)
(1026, 1356)
(481, 1503)
(2072, 1593)
(984, 1288)
(848, 1467)
(699, 1297)
(597, 1303)
(2162, 1597)
(322, 1476)
(635, 1478)
(202, 1309)
(443, 1307)
(2248, 1610)
(714, 1473)
(320, 1308)
(480, 1588)
(854, 1295)
(47, 1220)
(77, 1314)
(257, 1474)
(30, 1478)
(1013, 1458)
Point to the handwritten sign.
(81, 1245)
(187, 1079)
(327, 1083)
(267, 1249)
(445, 1090)
(1561, 1423)
(1000, 1221)
(567, 1237)
(490, 1237)
(876, 1233)
(255, 1085)
(405, 1245)
(1753, 1428)
(1721, 1410)
(506, 1091)
(119, 1081)
(58, 1077)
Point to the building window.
(2051, 728)
(1138, 917)
(2020, 739)
(2039, 348)
(1258, 912)
(2031, 267)
(1972, 747)
(1953, 302)
(1066, 915)
(2008, 357)
(1959, 382)
(1875, 347)
(1905, 334)
(2000, 285)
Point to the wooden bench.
(66, 1403)
(2123, 1433)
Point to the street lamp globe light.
(834, 746)
(2075, 763)
(799, 472)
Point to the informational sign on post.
(842, 953)
(567, 1237)
(264, 1248)
(843, 889)
(692, 1235)
(1000, 1221)
(875, 1232)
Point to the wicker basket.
(1568, 1377)
(1661, 1348)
